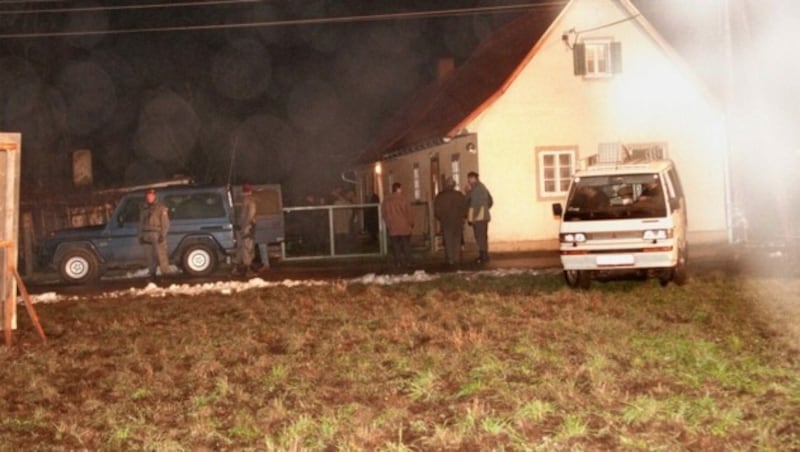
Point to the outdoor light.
(471, 148)
(378, 169)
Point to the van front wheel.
(578, 278)
(199, 260)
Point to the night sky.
(291, 104)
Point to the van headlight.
(657, 234)
(577, 237)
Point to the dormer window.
(597, 58)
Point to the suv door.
(124, 246)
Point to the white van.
(624, 217)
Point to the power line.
(293, 22)
(123, 7)
(12, 2)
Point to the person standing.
(399, 219)
(153, 230)
(245, 232)
(450, 208)
(479, 201)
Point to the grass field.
(459, 363)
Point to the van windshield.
(614, 197)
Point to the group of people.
(451, 208)
(154, 228)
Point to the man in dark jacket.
(153, 229)
(399, 219)
(450, 208)
(479, 201)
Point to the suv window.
(194, 206)
(130, 211)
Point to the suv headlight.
(657, 234)
(576, 237)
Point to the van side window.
(195, 206)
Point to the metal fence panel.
(333, 231)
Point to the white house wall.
(652, 100)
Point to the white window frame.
(417, 183)
(455, 169)
(593, 49)
(561, 181)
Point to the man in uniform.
(245, 231)
(153, 229)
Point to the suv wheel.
(199, 260)
(78, 265)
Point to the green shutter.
(579, 59)
(616, 57)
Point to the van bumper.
(619, 259)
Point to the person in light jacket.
(245, 232)
(399, 219)
(479, 201)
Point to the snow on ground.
(232, 287)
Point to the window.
(455, 169)
(555, 171)
(194, 206)
(130, 213)
(597, 58)
(417, 183)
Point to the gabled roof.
(440, 107)
(445, 106)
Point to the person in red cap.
(245, 231)
(153, 230)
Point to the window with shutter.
(597, 58)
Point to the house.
(536, 100)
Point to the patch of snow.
(47, 297)
(386, 280)
(234, 287)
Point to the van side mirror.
(120, 221)
(674, 203)
(557, 209)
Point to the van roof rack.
(615, 154)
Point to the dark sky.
(290, 104)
